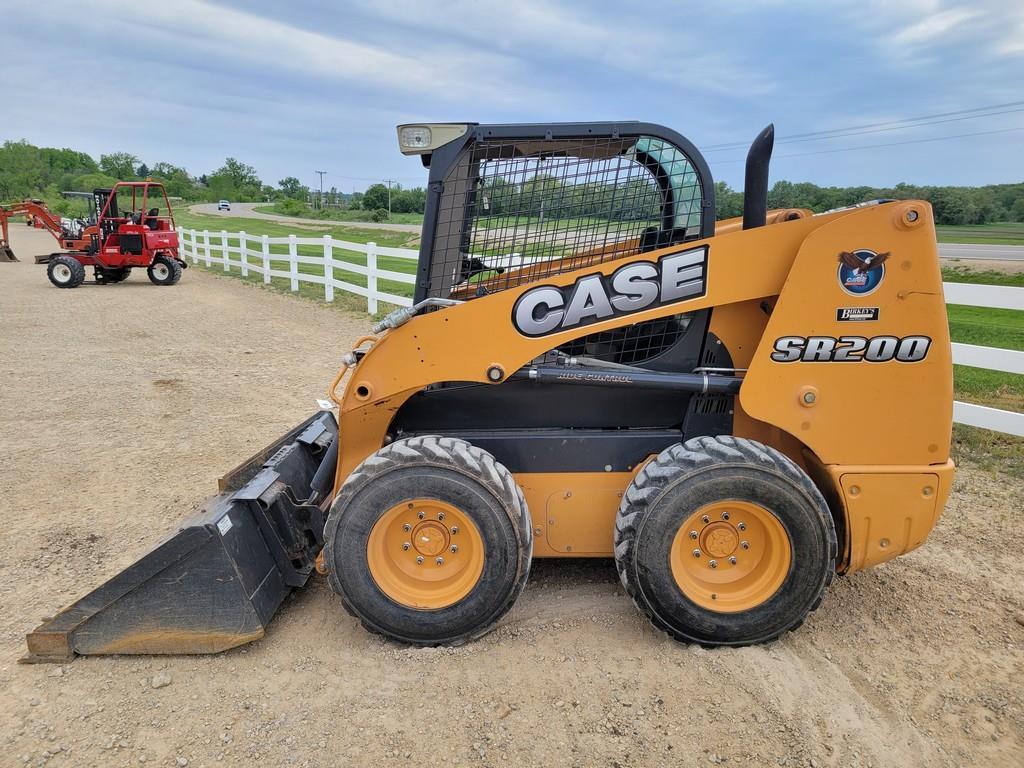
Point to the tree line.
(30, 171)
(44, 172)
(952, 205)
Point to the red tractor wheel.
(164, 270)
(65, 272)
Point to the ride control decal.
(861, 271)
(850, 349)
(633, 288)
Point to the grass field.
(1001, 233)
(258, 227)
(970, 325)
(334, 214)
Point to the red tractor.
(130, 225)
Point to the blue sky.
(304, 85)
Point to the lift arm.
(38, 211)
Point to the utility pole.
(321, 202)
(389, 183)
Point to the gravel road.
(121, 405)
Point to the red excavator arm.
(39, 212)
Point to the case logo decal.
(850, 349)
(861, 271)
(635, 287)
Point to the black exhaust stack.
(755, 184)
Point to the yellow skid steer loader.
(591, 366)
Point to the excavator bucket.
(6, 252)
(216, 582)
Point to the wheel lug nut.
(455, 529)
(696, 553)
(725, 515)
(744, 545)
(732, 560)
(742, 526)
(706, 519)
(406, 546)
(440, 515)
(407, 527)
(454, 548)
(440, 561)
(693, 534)
(712, 563)
(421, 514)
(419, 560)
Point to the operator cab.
(129, 211)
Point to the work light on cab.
(421, 139)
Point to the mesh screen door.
(516, 210)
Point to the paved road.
(987, 252)
(247, 211)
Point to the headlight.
(414, 137)
(422, 139)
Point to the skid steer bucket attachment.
(215, 582)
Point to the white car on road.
(223, 205)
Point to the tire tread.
(672, 465)
(449, 453)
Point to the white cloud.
(199, 28)
(644, 43)
(934, 28)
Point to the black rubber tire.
(76, 271)
(453, 471)
(684, 478)
(173, 274)
(111, 276)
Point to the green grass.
(999, 233)
(336, 214)
(258, 227)
(990, 328)
(971, 325)
(967, 274)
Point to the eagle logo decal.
(861, 271)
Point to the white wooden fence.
(280, 257)
(991, 358)
(266, 256)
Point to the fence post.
(371, 278)
(182, 245)
(224, 249)
(266, 259)
(328, 268)
(242, 254)
(206, 246)
(293, 265)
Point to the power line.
(884, 130)
(890, 144)
(890, 125)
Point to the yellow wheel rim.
(730, 556)
(425, 554)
